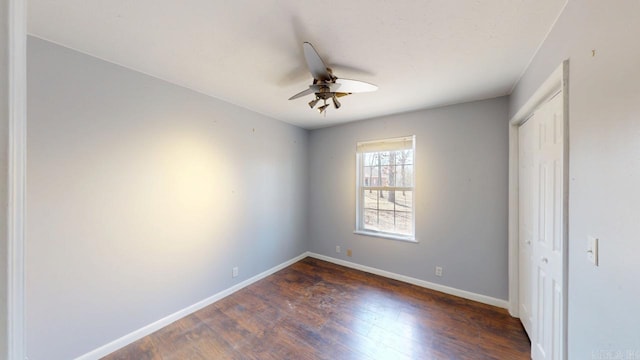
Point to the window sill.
(409, 239)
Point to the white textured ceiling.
(420, 53)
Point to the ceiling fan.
(326, 85)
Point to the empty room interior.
(287, 179)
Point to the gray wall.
(461, 195)
(142, 196)
(604, 201)
(4, 166)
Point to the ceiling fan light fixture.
(323, 108)
(336, 103)
(313, 103)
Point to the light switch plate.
(592, 250)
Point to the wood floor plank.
(145, 349)
(318, 310)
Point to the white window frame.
(398, 143)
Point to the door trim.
(16, 179)
(557, 81)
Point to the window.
(385, 193)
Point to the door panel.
(541, 209)
(547, 250)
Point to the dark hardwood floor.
(318, 310)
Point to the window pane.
(404, 223)
(403, 200)
(374, 174)
(385, 222)
(384, 157)
(370, 199)
(368, 159)
(404, 157)
(408, 156)
(385, 202)
(404, 175)
(371, 219)
(391, 176)
(388, 211)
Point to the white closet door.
(542, 207)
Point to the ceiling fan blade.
(317, 67)
(310, 90)
(355, 86)
(341, 94)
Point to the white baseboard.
(146, 330)
(422, 283)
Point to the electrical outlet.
(234, 272)
(338, 248)
(438, 270)
(349, 253)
